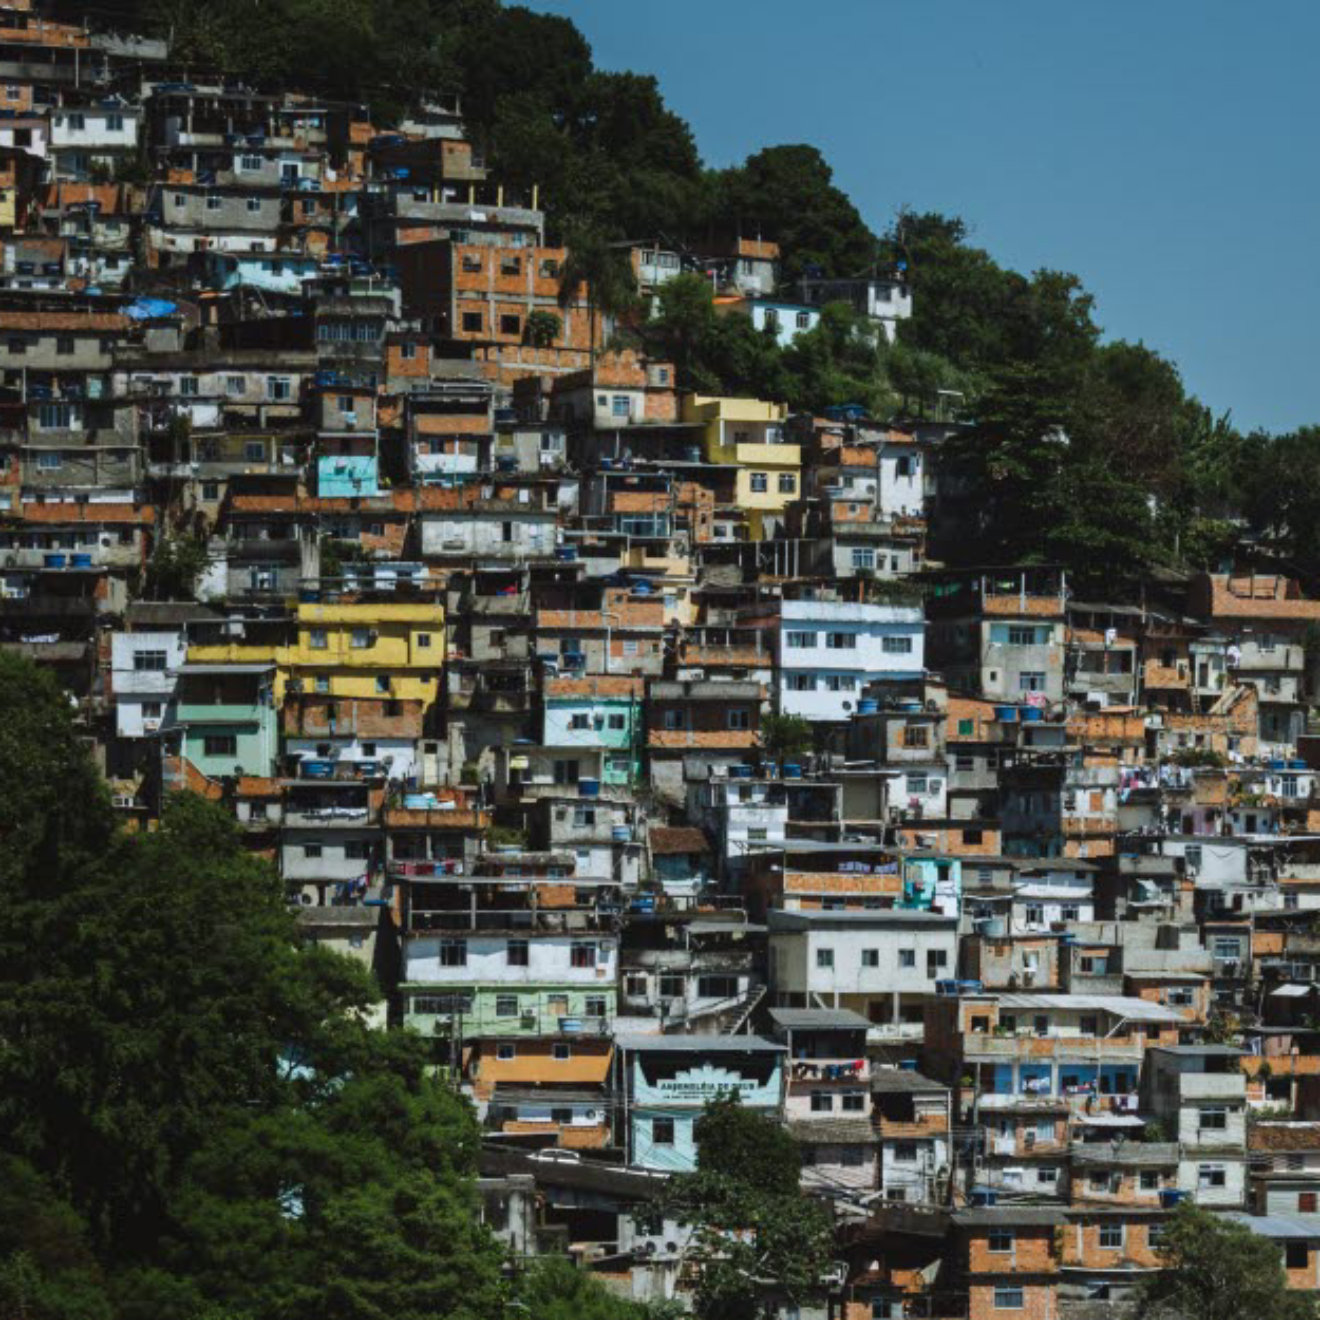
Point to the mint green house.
(224, 719)
(603, 711)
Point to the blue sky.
(1160, 150)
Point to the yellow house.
(370, 649)
(750, 434)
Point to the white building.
(588, 959)
(744, 815)
(786, 319)
(902, 483)
(884, 301)
(881, 964)
(828, 650)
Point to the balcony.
(815, 1071)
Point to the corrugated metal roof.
(1138, 1010)
(698, 1044)
(804, 1019)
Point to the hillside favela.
(588, 734)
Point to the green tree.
(787, 193)
(1215, 1269)
(755, 1237)
(194, 1112)
(783, 736)
(175, 568)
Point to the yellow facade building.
(749, 433)
(370, 649)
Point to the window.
(1306, 1203)
(64, 345)
(311, 850)
(149, 661)
(579, 721)
(1150, 1180)
(1047, 1176)
(840, 682)
(253, 205)
(220, 744)
(739, 719)
(17, 345)
(214, 202)
(898, 646)
(863, 557)
(1001, 1240)
(662, 1131)
(423, 641)
(852, 1102)
(251, 164)
(620, 406)
(935, 959)
(506, 1005)
(510, 324)
(822, 1102)
(916, 735)
(1211, 1176)
(505, 1051)
(565, 772)
(453, 953)
(152, 710)
(50, 460)
(472, 322)
(58, 417)
(800, 682)
(1020, 636)
(1296, 1255)
(582, 953)
(516, 953)
(383, 685)
(840, 641)
(1008, 1298)
(617, 722)
(760, 482)
(361, 639)
(825, 958)
(787, 483)
(1111, 1236)
(800, 641)
(279, 388)
(1030, 680)
(870, 957)
(1213, 1118)
(918, 785)
(907, 957)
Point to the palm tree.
(604, 269)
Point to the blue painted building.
(668, 1081)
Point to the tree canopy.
(195, 1117)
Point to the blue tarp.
(148, 309)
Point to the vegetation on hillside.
(1082, 452)
(195, 1117)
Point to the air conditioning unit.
(150, 726)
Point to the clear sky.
(1163, 150)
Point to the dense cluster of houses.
(631, 736)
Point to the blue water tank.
(868, 706)
(1006, 714)
(53, 560)
(792, 771)
(1032, 715)
(81, 560)
(588, 788)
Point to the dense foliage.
(1218, 1270)
(756, 1238)
(195, 1118)
(1081, 452)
